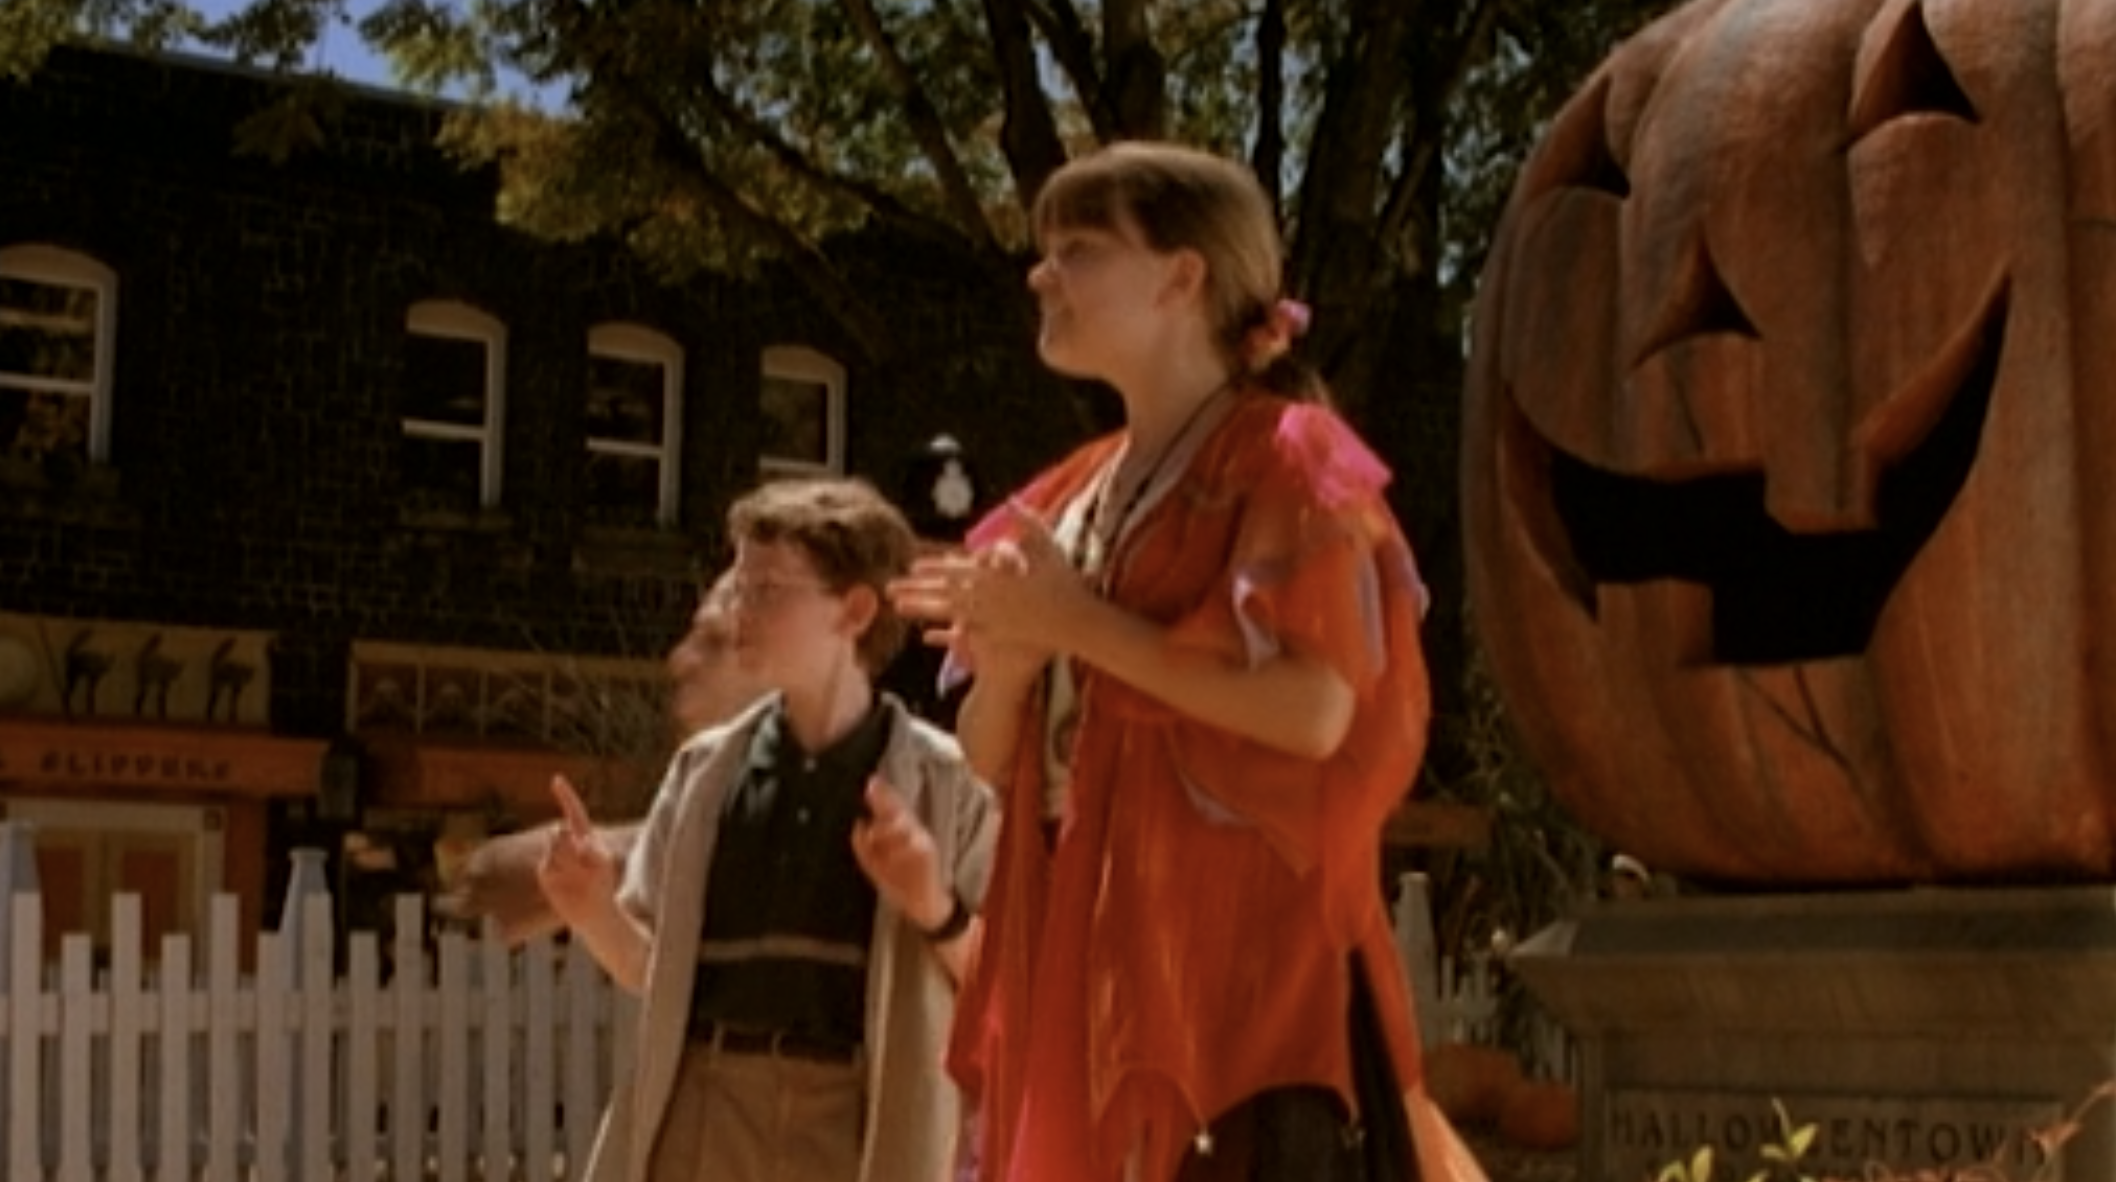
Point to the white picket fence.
(473, 1062)
(1457, 1001)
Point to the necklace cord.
(1109, 533)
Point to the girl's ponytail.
(1264, 352)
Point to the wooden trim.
(437, 776)
(1440, 825)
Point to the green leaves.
(433, 47)
(296, 121)
(29, 29)
(821, 115)
(727, 133)
(277, 33)
(1783, 1154)
(1786, 1152)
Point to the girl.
(1199, 690)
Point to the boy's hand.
(897, 854)
(578, 873)
(498, 881)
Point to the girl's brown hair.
(1179, 198)
(851, 534)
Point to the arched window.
(455, 392)
(58, 331)
(634, 425)
(803, 405)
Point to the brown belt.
(780, 1044)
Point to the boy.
(707, 687)
(800, 902)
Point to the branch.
(926, 127)
(1335, 264)
(680, 153)
(1059, 22)
(1268, 159)
(1342, 184)
(574, 24)
(1422, 147)
(883, 203)
(1137, 84)
(1028, 133)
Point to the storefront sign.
(1646, 1130)
(174, 758)
(140, 766)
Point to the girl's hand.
(944, 591)
(578, 873)
(897, 854)
(934, 592)
(1024, 592)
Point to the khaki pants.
(761, 1118)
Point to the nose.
(1043, 275)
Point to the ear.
(1186, 277)
(862, 606)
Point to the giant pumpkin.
(1790, 443)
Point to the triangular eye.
(1906, 76)
(1698, 303)
(1575, 154)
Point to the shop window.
(453, 403)
(596, 706)
(633, 425)
(802, 405)
(58, 324)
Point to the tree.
(740, 133)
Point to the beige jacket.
(913, 1112)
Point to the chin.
(1059, 359)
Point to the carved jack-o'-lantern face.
(1791, 499)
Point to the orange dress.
(1189, 940)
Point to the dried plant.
(1537, 867)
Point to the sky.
(343, 53)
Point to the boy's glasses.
(767, 594)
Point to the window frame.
(455, 320)
(38, 262)
(800, 363)
(622, 341)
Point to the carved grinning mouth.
(1776, 595)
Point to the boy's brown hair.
(851, 534)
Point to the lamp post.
(939, 492)
(940, 497)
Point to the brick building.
(332, 511)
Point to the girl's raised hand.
(1025, 589)
(944, 591)
(935, 592)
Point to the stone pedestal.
(1916, 1029)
